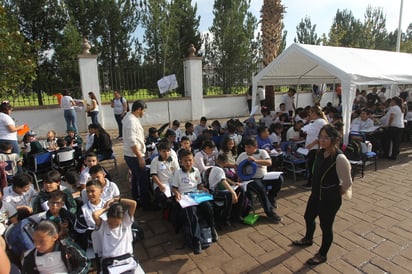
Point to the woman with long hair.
(93, 108)
(8, 129)
(102, 144)
(331, 179)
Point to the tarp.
(309, 64)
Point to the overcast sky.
(321, 13)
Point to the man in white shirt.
(134, 150)
(289, 100)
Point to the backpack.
(19, 236)
(127, 103)
(353, 151)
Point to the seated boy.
(90, 160)
(221, 188)
(13, 160)
(8, 214)
(187, 179)
(110, 189)
(20, 195)
(52, 184)
(262, 159)
(162, 169)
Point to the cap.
(31, 133)
(71, 129)
(170, 132)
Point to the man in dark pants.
(134, 149)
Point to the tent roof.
(310, 64)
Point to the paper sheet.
(187, 201)
(273, 175)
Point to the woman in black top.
(102, 144)
(330, 180)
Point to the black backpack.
(127, 103)
(353, 151)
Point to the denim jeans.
(119, 118)
(71, 119)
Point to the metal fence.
(140, 82)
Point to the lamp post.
(398, 40)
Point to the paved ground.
(373, 231)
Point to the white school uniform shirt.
(398, 119)
(16, 200)
(88, 210)
(202, 161)
(50, 262)
(164, 169)
(110, 190)
(216, 175)
(192, 137)
(118, 241)
(187, 181)
(84, 176)
(260, 154)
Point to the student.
(294, 133)
(176, 128)
(113, 237)
(51, 141)
(262, 159)
(90, 160)
(51, 184)
(20, 195)
(8, 215)
(185, 144)
(275, 136)
(171, 138)
(201, 127)
(263, 140)
(162, 169)
(189, 132)
(188, 179)
(221, 188)
(13, 160)
(110, 189)
(61, 216)
(229, 149)
(206, 157)
(51, 256)
(85, 224)
(74, 141)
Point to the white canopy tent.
(310, 64)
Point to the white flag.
(167, 83)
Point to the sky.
(321, 13)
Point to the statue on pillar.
(191, 51)
(86, 46)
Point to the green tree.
(232, 46)
(346, 31)
(17, 65)
(306, 33)
(374, 35)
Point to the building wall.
(158, 112)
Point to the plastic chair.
(292, 161)
(65, 159)
(40, 163)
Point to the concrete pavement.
(373, 231)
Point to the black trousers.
(394, 135)
(266, 192)
(191, 216)
(326, 208)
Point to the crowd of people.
(81, 208)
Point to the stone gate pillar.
(193, 78)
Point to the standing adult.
(93, 108)
(289, 100)
(331, 179)
(67, 104)
(134, 154)
(394, 127)
(119, 105)
(318, 120)
(8, 129)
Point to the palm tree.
(272, 15)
